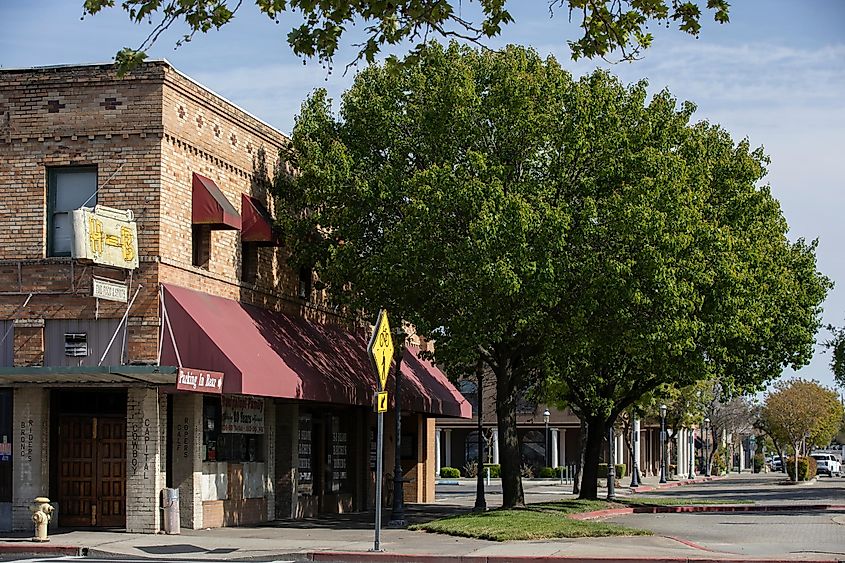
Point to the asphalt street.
(756, 534)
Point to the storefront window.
(233, 428)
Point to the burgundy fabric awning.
(210, 206)
(271, 354)
(257, 225)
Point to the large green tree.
(607, 26)
(573, 235)
(432, 194)
(679, 266)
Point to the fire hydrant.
(42, 512)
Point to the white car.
(827, 463)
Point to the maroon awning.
(271, 354)
(257, 225)
(210, 206)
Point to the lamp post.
(480, 501)
(635, 439)
(546, 416)
(691, 453)
(663, 443)
(707, 447)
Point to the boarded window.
(82, 342)
(69, 189)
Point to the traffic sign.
(381, 403)
(380, 348)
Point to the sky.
(775, 75)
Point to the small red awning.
(210, 206)
(257, 225)
(271, 354)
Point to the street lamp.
(546, 416)
(635, 438)
(663, 443)
(707, 447)
(691, 453)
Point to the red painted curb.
(41, 548)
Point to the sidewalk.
(349, 537)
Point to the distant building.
(151, 332)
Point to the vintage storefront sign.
(110, 290)
(242, 415)
(199, 381)
(105, 236)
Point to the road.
(756, 534)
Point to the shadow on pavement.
(414, 514)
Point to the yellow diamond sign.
(381, 348)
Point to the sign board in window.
(339, 456)
(305, 480)
(109, 290)
(5, 450)
(105, 236)
(242, 415)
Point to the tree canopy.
(800, 411)
(573, 234)
(607, 26)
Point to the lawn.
(550, 519)
(536, 521)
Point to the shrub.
(758, 462)
(471, 469)
(450, 472)
(548, 472)
(621, 469)
(720, 463)
(806, 468)
(495, 470)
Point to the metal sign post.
(379, 473)
(380, 351)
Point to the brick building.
(98, 408)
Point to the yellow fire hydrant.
(42, 512)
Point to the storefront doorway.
(89, 474)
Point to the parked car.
(776, 464)
(827, 464)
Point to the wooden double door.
(92, 471)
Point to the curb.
(384, 557)
(705, 508)
(671, 484)
(28, 548)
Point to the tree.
(837, 347)
(608, 26)
(430, 195)
(678, 265)
(802, 413)
(576, 236)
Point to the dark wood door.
(92, 471)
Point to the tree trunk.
(795, 449)
(596, 429)
(509, 454)
(582, 449)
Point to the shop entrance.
(90, 469)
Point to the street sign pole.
(380, 351)
(379, 470)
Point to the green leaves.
(609, 27)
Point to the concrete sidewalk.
(350, 537)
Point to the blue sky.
(775, 74)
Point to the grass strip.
(548, 520)
(534, 522)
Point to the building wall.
(30, 452)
